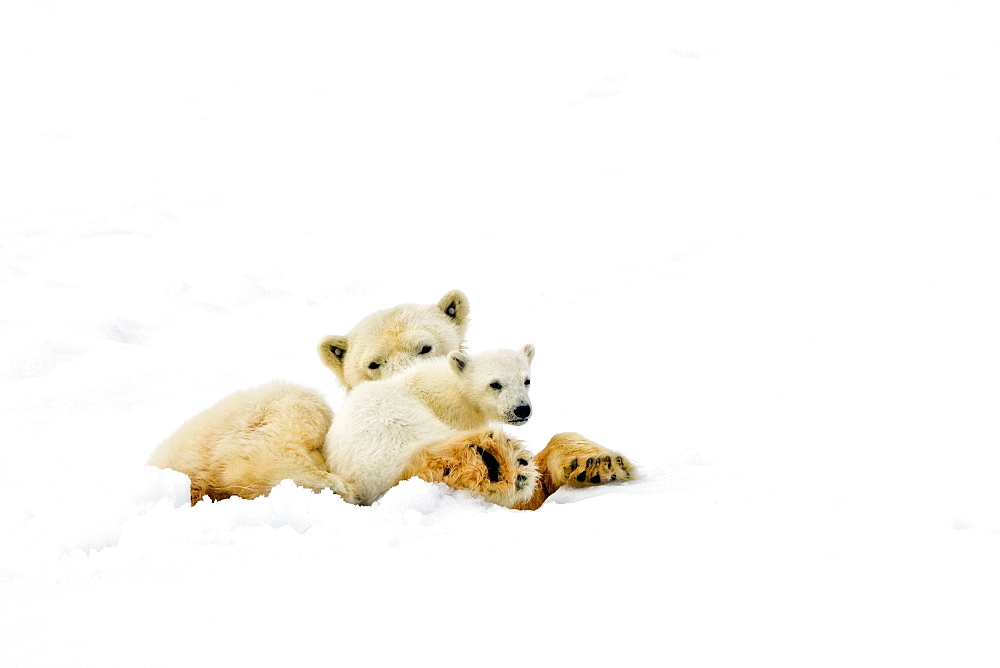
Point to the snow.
(752, 242)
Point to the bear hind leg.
(487, 463)
(571, 459)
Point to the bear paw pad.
(597, 469)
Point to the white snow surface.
(754, 244)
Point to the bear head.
(386, 341)
(497, 382)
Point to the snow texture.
(754, 244)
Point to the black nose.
(522, 411)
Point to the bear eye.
(374, 365)
(527, 381)
(425, 350)
(496, 385)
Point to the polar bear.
(250, 441)
(253, 439)
(383, 426)
(386, 341)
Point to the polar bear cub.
(383, 425)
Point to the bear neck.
(441, 390)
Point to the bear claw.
(597, 470)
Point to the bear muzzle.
(520, 414)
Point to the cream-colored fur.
(252, 440)
(383, 425)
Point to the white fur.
(383, 424)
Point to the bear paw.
(489, 464)
(571, 459)
(603, 467)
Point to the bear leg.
(301, 470)
(571, 459)
(318, 479)
(487, 463)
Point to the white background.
(752, 242)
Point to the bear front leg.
(487, 463)
(570, 459)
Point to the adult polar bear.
(252, 440)
(389, 340)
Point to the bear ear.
(459, 362)
(455, 305)
(529, 351)
(331, 351)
